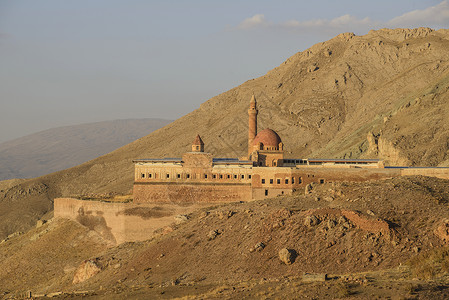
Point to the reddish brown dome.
(268, 138)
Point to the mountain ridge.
(63, 147)
(381, 95)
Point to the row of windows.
(305, 162)
(296, 161)
(198, 176)
(286, 180)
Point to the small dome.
(268, 138)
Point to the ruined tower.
(252, 126)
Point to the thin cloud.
(434, 16)
(255, 21)
(437, 15)
(342, 22)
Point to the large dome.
(268, 138)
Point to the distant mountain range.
(64, 147)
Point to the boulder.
(311, 220)
(258, 247)
(212, 234)
(287, 256)
(181, 218)
(442, 231)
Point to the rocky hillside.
(384, 94)
(235, 250)
(64, 147)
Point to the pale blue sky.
(69, 62)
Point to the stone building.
(199, 177)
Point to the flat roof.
(233, 161)
(158, 160)
(341, 160)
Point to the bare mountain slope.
(64, 147)
(338, 229)
(382, 94)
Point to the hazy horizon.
(73, 62)
(80, 124)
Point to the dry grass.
(431, 264)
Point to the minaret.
(252, 125)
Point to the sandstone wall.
(116, 222)
(271, 182)
(433, 172)
(191, 192)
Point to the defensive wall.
(191, 192)
(124, 222)
(116, 222)
(432, 172)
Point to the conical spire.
(252, 103)
(198, 141)
(198, 144)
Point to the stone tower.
(198, 145)
(252, 126)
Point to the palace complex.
(200, 177)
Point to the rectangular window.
(205, 176)
(214, 176)
(235, 176)
(299, 180)
(271, 181)
(243, 176)
(228, 176)
(263, 181)
(150, 175)
(188, 175)
(142, 175)
(321, 180)
(266, 192)
(286, 181)
(293, 180)
(249, 176)
(168, 175)
(221, 176)
(178, 176)
(278, 181)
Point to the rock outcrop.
(85, 271)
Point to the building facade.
(199, 177)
